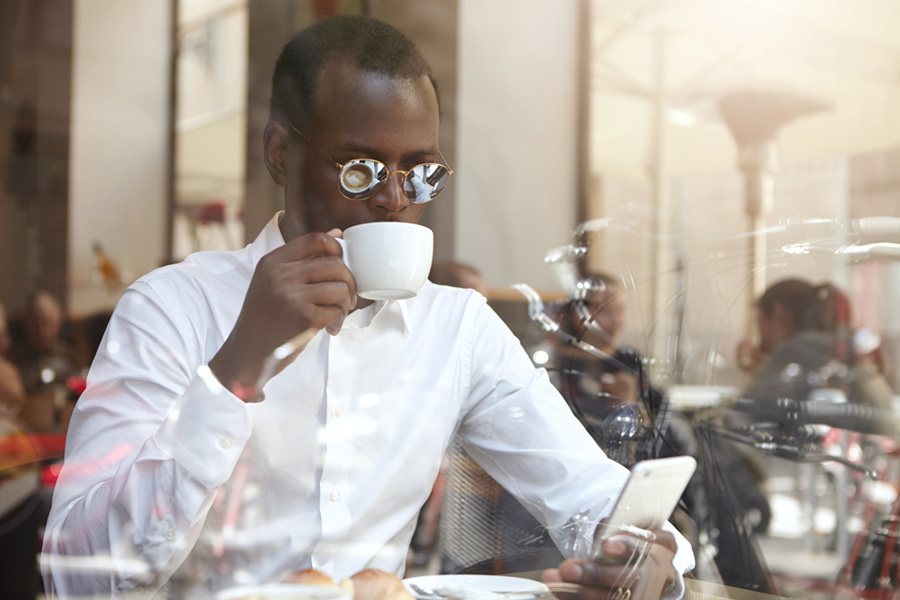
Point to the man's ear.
(275, 148)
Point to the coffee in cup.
(389, 260)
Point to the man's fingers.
(593, 574)
(297, 287)
(329, 267)
(551, 576)
(317, 269)
(622, 547)
(637, 568)
(308, 259)
(306, 246)
(666, 540)
(591, 584)
(327, 293)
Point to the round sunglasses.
(362, 178)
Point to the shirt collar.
(268, 239)
(390, 313)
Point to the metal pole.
(841, 480)
(661, 203)
(810, 501)
(171, 142)
(757, 161)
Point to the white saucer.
(473, 587)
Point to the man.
(42, 355)
(598, 320)
(249, 416)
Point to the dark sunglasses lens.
(425, 182)
(362, 178)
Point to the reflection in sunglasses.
(362, 178)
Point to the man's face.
(359, 115)
(42, 325)
(774, 328)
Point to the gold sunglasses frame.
(389, 172)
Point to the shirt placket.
(334, 508)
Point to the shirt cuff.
(206, 430)
(683, 561)
(676, 590)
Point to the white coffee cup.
(389, 261)
(284, 591)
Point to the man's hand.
(631, 569)
(296, 291)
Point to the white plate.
(475, 587)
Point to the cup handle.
(343, 244)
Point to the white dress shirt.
(173, 485)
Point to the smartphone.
(650, 495)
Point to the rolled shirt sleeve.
(151, 438)
(521, 431)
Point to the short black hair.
(799, 299)
(373, 46)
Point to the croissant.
(374, 584)
(370, 584)
(310, 577)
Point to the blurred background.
(699, 150)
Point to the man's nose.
(391, 197)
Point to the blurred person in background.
(608, 388)
(457, 274)
(806, 343)
(46, 359)
(606, 384)
(43, 355)
(90, 334)
(20, 508)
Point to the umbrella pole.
(754, 119)
(662, 204)
(757, 162)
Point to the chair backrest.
(469, 512)
(483, 528)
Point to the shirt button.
(338, 411)
(170, 535)
(333, 495)
(227, 442)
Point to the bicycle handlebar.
(856, 417)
